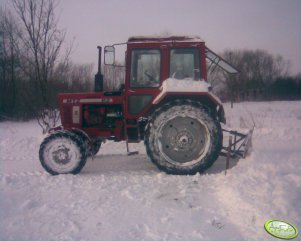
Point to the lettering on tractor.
(165, 101)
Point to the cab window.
(184, 64)
(145, 68)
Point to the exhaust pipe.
(98, 87)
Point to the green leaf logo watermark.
(281, 229)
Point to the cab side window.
(145, 68)
(184, 64)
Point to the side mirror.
(109, 52)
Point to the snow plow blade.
(239, 143)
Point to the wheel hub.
(61, 156)
(182, 139)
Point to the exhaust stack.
(98, 77)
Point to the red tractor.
(165, 101)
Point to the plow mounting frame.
(239, 143)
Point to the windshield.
(145, 68)
(184, 63)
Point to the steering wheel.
(150, 77)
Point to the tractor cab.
(152, 63)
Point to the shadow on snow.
(102, 164)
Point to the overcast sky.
(273, 25)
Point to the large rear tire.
(183, 138)
(63, 153)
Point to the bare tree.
(9, 58)
(73, 77)
(42, 41)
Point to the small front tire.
(95, 146)
(63, 153)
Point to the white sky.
(273, 25)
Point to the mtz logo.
(71, 101)
(92, 100)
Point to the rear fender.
(210, 101)
(198, 91)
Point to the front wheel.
(93, 145)
(63, 153)
(183, 138)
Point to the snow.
(184, 85)
(120, 197)
(141, 39)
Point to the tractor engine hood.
(72, 106)
(84, 98)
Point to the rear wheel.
(183, 138)
(63, 153)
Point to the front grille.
(67, 115)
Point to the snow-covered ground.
(119, 197)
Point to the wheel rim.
(62, 155)
(183, 140)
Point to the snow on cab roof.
(176, 38)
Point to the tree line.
(262, 76)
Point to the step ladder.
(130, 153)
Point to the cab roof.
(183, 38)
